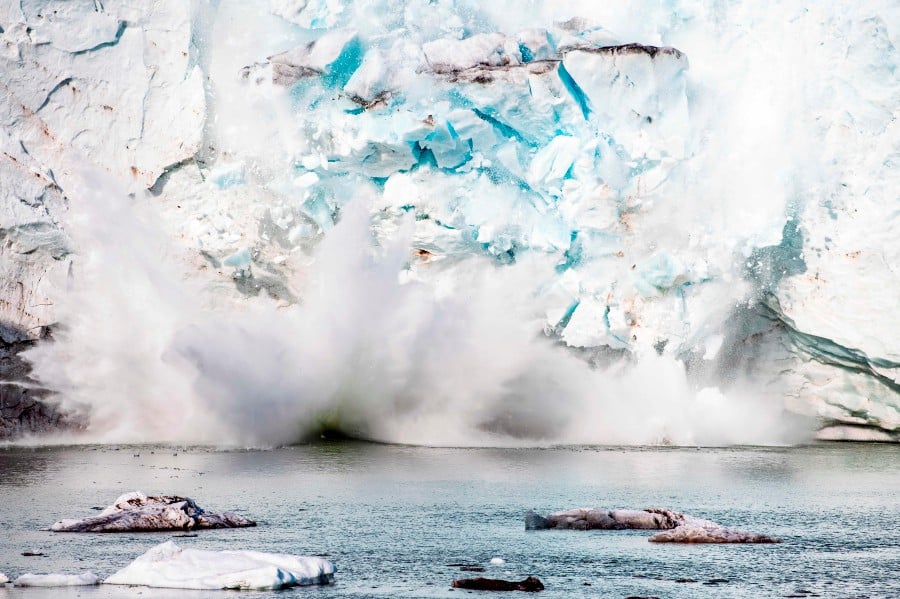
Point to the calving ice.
(437, 222)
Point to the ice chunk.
(312, 14)
(138, 512)
(529, 104)
(535, 44)
(227, 174)
(709, 534)
(636, 93)
(679, 528)
(240, 260)
(71, 26)
(3, 578)
(553, 161)
(857, 433)
(57, 580)
(659, 273)
(485, 49)
(589, 326)
(336, 54)
(169, 566)
(378, 77)
(581, 33)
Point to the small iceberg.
(134, 512)
(169, 566)
(677, 527)
(55, 580)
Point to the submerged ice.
(434, 222)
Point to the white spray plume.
(363, 354)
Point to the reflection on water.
(24, 466)
(392, 517)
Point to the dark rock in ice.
(677, 527)
(25, 407)
(467, 567)
(485, 74)
(651, 51)
(591, 519)
(678, 580)
(529, 585)
(535, 522)
(136, 512)
(319, 57)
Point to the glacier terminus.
(450, 222)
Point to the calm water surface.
(392, 518)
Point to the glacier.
(438, 222)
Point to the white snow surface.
(169, 566)
(57, 580)
(451, 222)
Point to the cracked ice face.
(684, 227)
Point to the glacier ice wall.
(440, 222)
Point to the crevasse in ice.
(711, 186)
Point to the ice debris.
(169, 566)
(138, 512)
(3, 578)
(57, 580)
(676, 527)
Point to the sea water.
(397, 521)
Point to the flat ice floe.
(55, 580)
(138, 512)
(169, 566)
(676, 527)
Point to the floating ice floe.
(3, 578)
(676, 527)
(138, 512)
(55, 580)
(169, 566)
